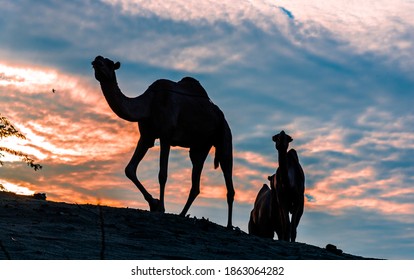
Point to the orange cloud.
(84, 148)
(330, 140)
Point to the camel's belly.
(198, 125)
(192, 137)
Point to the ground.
(33, 229)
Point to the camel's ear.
(117, 65)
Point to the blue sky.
(335, 75)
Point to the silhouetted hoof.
(156, 206)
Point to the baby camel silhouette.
(265, 218)
(285, 195)
(179, 114)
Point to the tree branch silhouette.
(7, 130)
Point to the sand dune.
(34, 229)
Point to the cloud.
(71, 131)
(375, 27)
(209, 12)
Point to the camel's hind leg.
(198, 157)
(163, 173)
(131, 170)
(226, 163)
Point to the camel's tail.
(216, 161)
(224, 146)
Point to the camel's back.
(187, 86)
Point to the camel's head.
(105, 69)
(282, 141)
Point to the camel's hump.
(192, 86)
(186, 86)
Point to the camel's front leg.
(163, 173)
(282, 229)
(198, 157)
(286, 224)
(131, 171)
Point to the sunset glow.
(15, 188)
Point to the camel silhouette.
(286, 195)
(290, 187)
(266, 218)
(179, 114)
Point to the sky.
(334, 75)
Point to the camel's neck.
(130, 109)
(283, 168)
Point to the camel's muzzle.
(97, 61)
